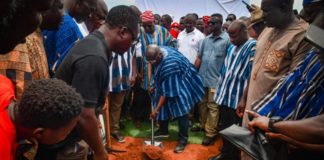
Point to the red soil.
(135, 147)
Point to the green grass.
(145, 131)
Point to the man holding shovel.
(177, 87)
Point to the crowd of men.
(62, 61)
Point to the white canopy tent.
(179, 8)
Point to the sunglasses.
(212, 23)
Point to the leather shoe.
(218, 157)
(120, 138)
(180, 147)
(208, 140)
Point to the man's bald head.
(238, 32)
(152, 50)
(237, 25)
(153, 54)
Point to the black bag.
(255, 145)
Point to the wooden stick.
(107, 129)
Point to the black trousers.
(228, 117)
(141, 104)
(183, 124)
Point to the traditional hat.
(256, 14)
(147, 16)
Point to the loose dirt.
(135, 151)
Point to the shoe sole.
(178, 151)
(162, 136)
(120, 141)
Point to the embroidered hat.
(147, 16)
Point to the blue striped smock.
(160, 37)
(235, 74)
(178, 80)
(298, 95)
(120, 71)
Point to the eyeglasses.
(212, 23)
(134, 37)
(229, 19)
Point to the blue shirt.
(59, 42)
(298, 95)
(212, 54)
(176, 79)
(235, 74)
(160, 37)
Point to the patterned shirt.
(25, 63)
(37, 55)
(277, 53)
(235, 74)
(59, 42)
(298, 95)
(120, 71)
(212, 54)
(160, 37)
(16, 66)
(178, 80)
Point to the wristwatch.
(272, 121)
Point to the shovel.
(152, 142)
(152, 148)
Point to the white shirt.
(189, 44)
(83, 28)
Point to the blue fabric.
(299, 95)
(212, 54)
(176, 79)
(160, 37)
(307, 2)
(120, 68)
(235, 74)
(59, 42)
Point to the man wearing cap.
(149, 34)
(280, 48)
(297, 96)
(257, 22)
